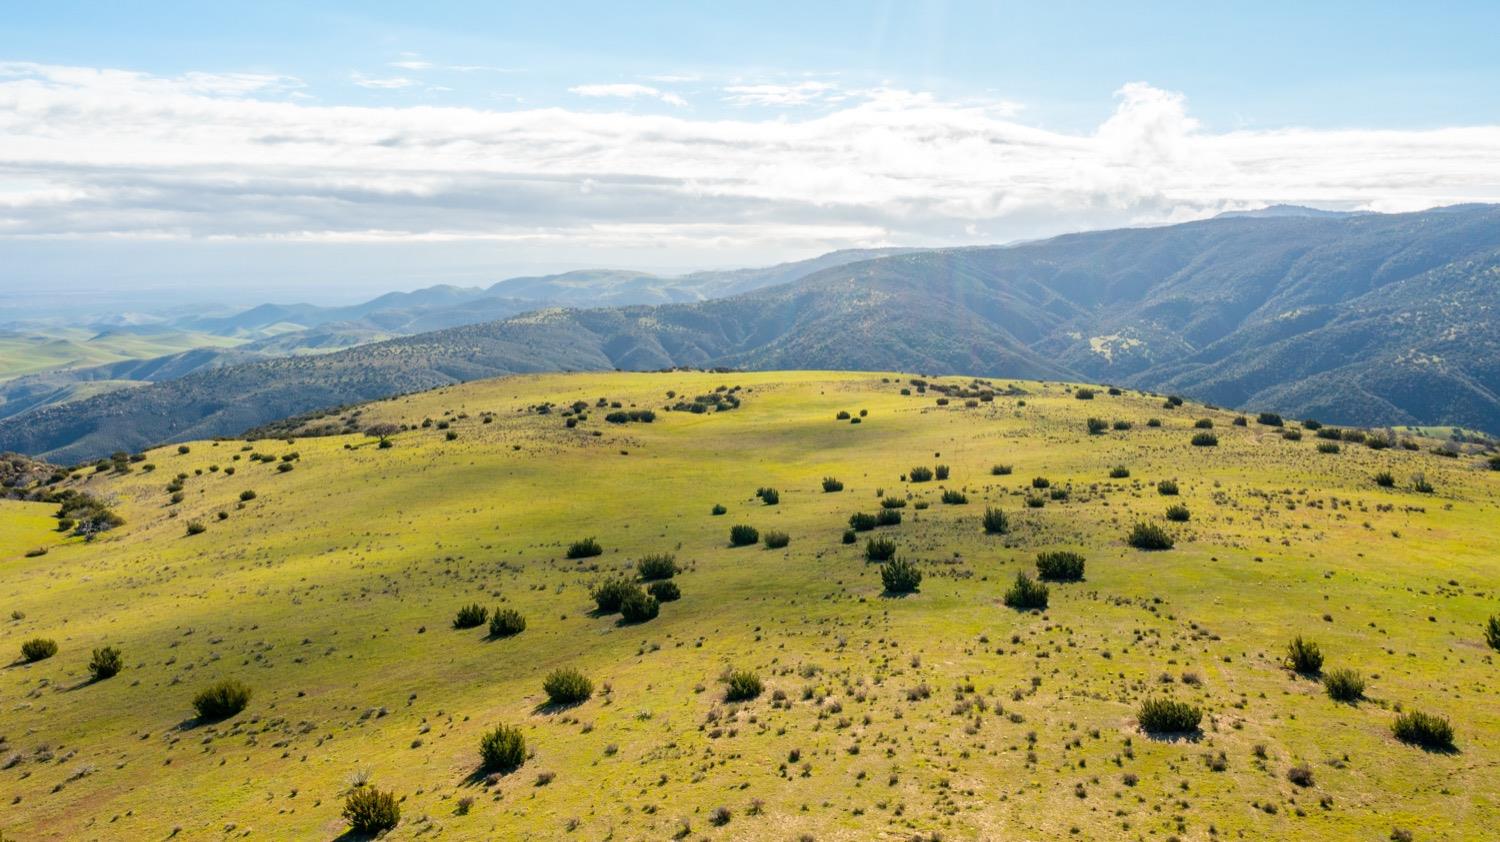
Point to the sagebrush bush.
(370, 811)
(1327, 447)
(919, 474)
(38, 649)
(1168, 716)
(247, 495)
(610, 593)
(502, 749)
(1084, 394)
(1492, 633)
(506, 622)
(1304, 656)
(743, 685)
(1385, 479)
(1149, 536)
(889, 517)
(1420, 484)
(862, 521)
(880, 549)
(1344, 685)
(566, 686)
(656, 566)
(900, 576)
(1204, 423)
(831, 485)
(665, 590)
(849, 537)
(995, 521)
(743, 535)
(470, 615)
(637, 606)
(1178, 513)
(893, 503)
(718, 509)
(776, 540)
(1097, 426)
(1270, 419)
(196, 527)
(1424, 729)
(1205, 440)
(769, 496)
(1119, 472)
(105, 663)
(1041, 482)
(954, 497)
(1059, 566)
(1001, 470)
(587, 548)
(1026, 594)
(1167, 488)
(941, 472)
(221, 700)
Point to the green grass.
(332, 593)
(36, 351)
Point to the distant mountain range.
(1370, 318)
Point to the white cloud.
(412, 64)
(799, 93)
(98, 153)
(627, 91)
(392, 83)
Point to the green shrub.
(609, 594)
(1122, 425)
(862, 521)
(718, 509)
(1327, 447)
(954, 497)
(1119, 472)
(196, 527)
(1167, 488)
(1084, 394)
(1001, 470)
(743, 536)
(38, 649)
(919, 474)
(769, 496)
(744, 685)
(880, 549)
(1205, 440)
(221, 700)
(1495, 463)
(470, 616)
(247, 495)
(1153, 422)
(1424, 729)
(900, 576)
(1149, 536)
(776, 540)
(370, 811)
(1270, 419)
(1304, 656)
(566, 686)
(587, 548)
(1097, 426)
(888, 517)
(1291, 435)
(995, 521)
(638, 607)
(1026, 594)
(507, 622)
(656, 566)
(1059, 566)
(665, 590)
(1041, 482)
(893, 503)
(502, 749)
(1344, 685)
(1204, 423)
(831, 485)
(1168, 716)
(1385, 479)
(1420, 484)
(106, 663)
(849, 537)
(1178, 513)
(1492, 633)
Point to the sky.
(152, 153)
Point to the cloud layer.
(98, 153)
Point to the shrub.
(743, 536)
(1301, 775)
(196, 527)
(1205, 440)
(718, 509)
(831, 485)
(1204, 423)
(506, 622)
(1059, 566)
(656, 566)
(566, 686)
(247, 495)
(1492, 633)
(1149, 536)
(1270, 419)
(1084, 394)
(942, 472)
(221, 700)
(1385, 479)
(1344, 685)
(502, 749)
(893, 503)
(889, 517)
(1097, 426)
(1495, 463)
(1420, 484)
(1119, 472)
(1327, 447)
(1041, 482)
(587, 548)
(776, 540)
(954, 497)
(919, 474)
(106, 663)
(1424, 729)
(609, 594)
(370, 811)
(769, 496)
(849, 537)
(1000, 470)
(1026, 593)
(1291, 435)
(665, 590)
(900, 576)
(842, 415)
(880, 549)
(862, 521)
(1178, 513)
(743, 686)
(995, 522)
(1153, 422)
(1122, 425)
(470, 616)
(1303, 656)
(1167, 488)
(38, 649)
(1168, 716)
(638, 607)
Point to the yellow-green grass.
(332, 593)
(30, 353)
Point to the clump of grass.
(470, 616)
(954, 497)
(880, 549)
(507, 622)
(1168, 716)
(1301, 775)
(587, 548)
(1149, 536)
(1119, 472)
(1427, 730)
(221, 700)
(995, 522)
(567, 686)
(893, 503)
(38, 649)
(743, 685)
(1304, 656)
(656, 566)
(776, 540)
(1420, 484)
(920, 474)
(106, 663)
(1026, 594)
(1385, 479)
(1344, 685)
(900, 576)
(1178, 513)
(742, 535)
(941, 472)
(830, 485)
(502, 749)
(1059, 566)
(370, 811)
(1167, 488)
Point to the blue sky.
(323, 151)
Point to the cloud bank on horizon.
(98, 153)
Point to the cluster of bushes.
(83, 514)
(619, 595)
(1026, 594)
(885, 516)
(507, 622)
(624, 416)
(656, 566)
(720, 400)
(1059, 566)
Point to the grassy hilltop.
(332, 591)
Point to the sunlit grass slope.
(331, 594)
